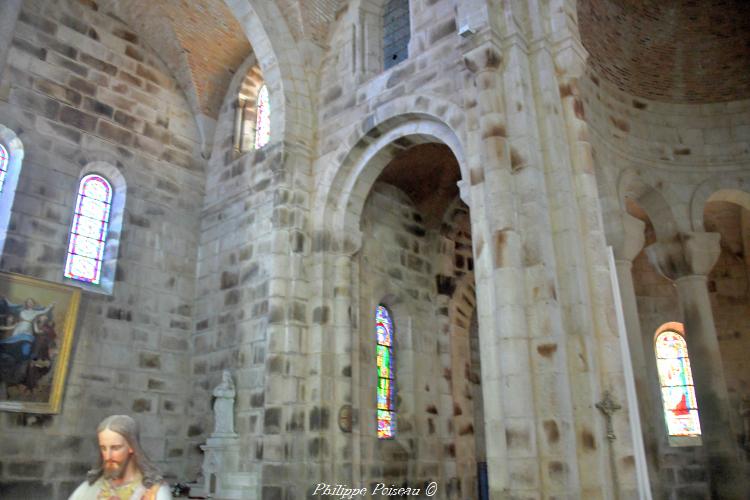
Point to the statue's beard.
(113, 470)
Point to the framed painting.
(37, 324)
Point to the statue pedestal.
(221, 476)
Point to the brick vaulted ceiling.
(203, 44)
(687, 51)
(200, 41)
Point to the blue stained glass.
(83, 269)
(96, 188)
(386, 416)
(386, 424)
(4, 158)
(81, 245)
(383, 326)
(93, 208)
(89, 230)
(680, 405)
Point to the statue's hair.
(127, 428)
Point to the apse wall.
(673, 147)
(677, 154)
(80, 87)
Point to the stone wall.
(80, 87)
(660, 161)
(234, 269)
(396, 270)
(730, 298)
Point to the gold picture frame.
(37, 325)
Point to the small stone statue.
(224, 405)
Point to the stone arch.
(280, 62)
(15, 149)
(652, 200)
(389, 130)
(718, 188)
(229, 102)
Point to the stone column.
(687, 260)
(499, 279)
(9, 10)
(627, 243)
(345, 359)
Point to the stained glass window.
(386, 407)
(263, 119)
(89, 231)
(4, 158)
(677, 389)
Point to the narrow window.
(4, 159)
(262, 119)
(676, 380)
(386, 377)
(396, 32)
(89, 232)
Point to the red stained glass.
(4, 159)
(386, 414)
(88, 234)
(677, 390)
(263, 119)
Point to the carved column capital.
(626, 236)
(570, 58)
(687, 254)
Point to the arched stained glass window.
(4, 159)
(386, 409)
(676, 380)
(89, 232)
(263, 119)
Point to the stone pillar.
(9, 10)
(627, 243)
(499, 280)
(345, 354)
(687, 260)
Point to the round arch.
(720, 188)
(653, 201)
(384, 134)
(280, 62)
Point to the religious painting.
(37, 323)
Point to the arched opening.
(728, 214)
(658, 304)
(416, 259)
(252, 114)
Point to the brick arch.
(653, 201)
(718, 188)
(281, 64)
(392, 128)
